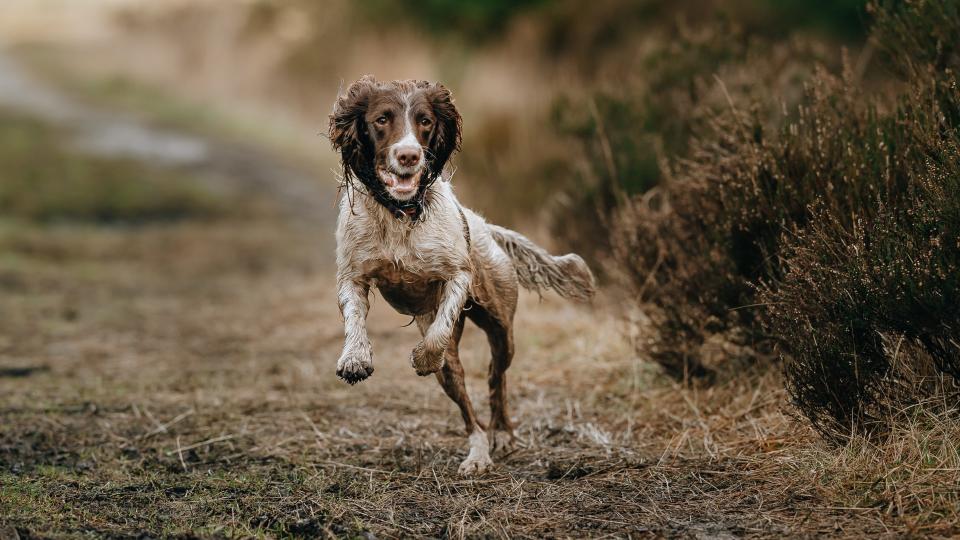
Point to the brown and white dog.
(402, 230)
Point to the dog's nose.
(408, 157)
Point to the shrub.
(869, 306)
(632, 136)
(887, 274)
(832, 237)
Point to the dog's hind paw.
(475, 465)
(426, 361)
(502, 441)
(354, 368)
(478, 460)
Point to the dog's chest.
(399, 254)
(409, 268)
(408, 292)
(411, 284)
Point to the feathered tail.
(567, 274)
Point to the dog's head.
(399, 133)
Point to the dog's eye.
(425, 122)
(382, 120)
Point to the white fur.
(407, 142)
(437, 327)
(354, 305)
(369, 239)
(478, 460)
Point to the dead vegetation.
(174, 377)
(154, 399)
(820, 239)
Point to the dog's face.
(403, 132)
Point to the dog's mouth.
(401, 186)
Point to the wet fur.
(449, 266)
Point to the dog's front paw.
(426, 360)
(354, 367)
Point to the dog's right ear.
(347, 129)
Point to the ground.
(177, 378)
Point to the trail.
(112, 133)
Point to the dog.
(401, 230)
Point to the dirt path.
(112, 133)
(179, 380)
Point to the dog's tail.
(567, 274)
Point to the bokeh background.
(767, 191)
(535, 80)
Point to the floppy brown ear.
(347, 130)
(446, 137)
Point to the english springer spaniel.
(402, 230)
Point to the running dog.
(402, 230)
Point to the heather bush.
(833, 237)
(697, 245)
(632, 136)
(868, 308)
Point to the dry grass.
(909, 478)
(179, 380)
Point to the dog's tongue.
(390, 179)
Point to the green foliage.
(843, 18)
(471, 19)
(41, 180)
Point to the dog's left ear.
(446, 137)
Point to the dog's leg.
(500, 338)
(356, 361)
(452, 381)
(427, 356)
(495, 320)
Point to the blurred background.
(205, 121)
(558, 98)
